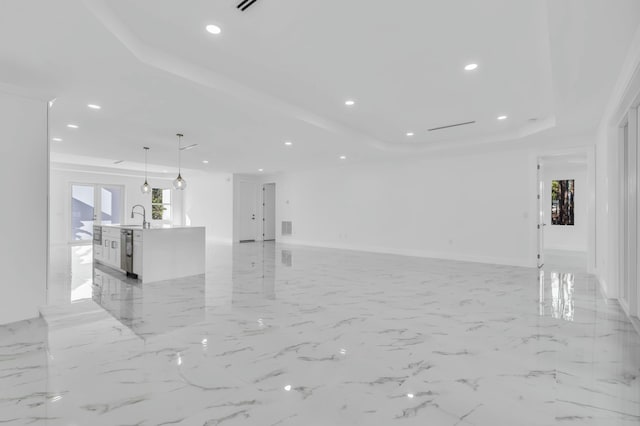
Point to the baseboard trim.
(416, 253)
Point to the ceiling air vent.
(452, 125)
(245, 4)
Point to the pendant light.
(145, 188)
(179, 183)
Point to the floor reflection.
(155, 308)
(336, 337)
(254, 271)
(152, 308)
(557, 300)
(70, 276)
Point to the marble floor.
(287, 335)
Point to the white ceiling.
(283, 69)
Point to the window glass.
(160, 204)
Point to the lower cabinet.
(109, 252)
(115, 254)
(137, 258)
(137, 253)
(97, 252)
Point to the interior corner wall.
(209, 203)
(567, 237)
(476, 207)
(24, 167)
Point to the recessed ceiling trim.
(156, 58)
(452, 125)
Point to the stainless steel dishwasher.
(126, 252)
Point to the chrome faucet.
(145, 224)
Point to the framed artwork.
(562, 203)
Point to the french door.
(94, 205)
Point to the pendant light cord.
(146, 151)
(179, 135)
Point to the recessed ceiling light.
(343, 157)
(349, 102)
(213, 29)
(72, 126)
(94, 106)
(471, 67)
(57, 139)
(502, 117)
(261, 170)
(205, 161)
(410, 133)
(288, 143)
(287, 388)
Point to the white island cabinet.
(153, 254)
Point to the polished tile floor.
(286, 335)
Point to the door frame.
(589, 192)
(264, 185)
(629, 207)
(540, 221)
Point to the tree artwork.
(562, 202)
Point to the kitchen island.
(152, 254)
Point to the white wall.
(625, 94)
(24, 166)
(564, 237)
(475, 207)
(63, 175)
(209, 203)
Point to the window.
(160, 204)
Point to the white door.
(269, 211)
(248, 200)
(541, 216)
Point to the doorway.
(269, 211)
(94, 205)
(563, 211)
